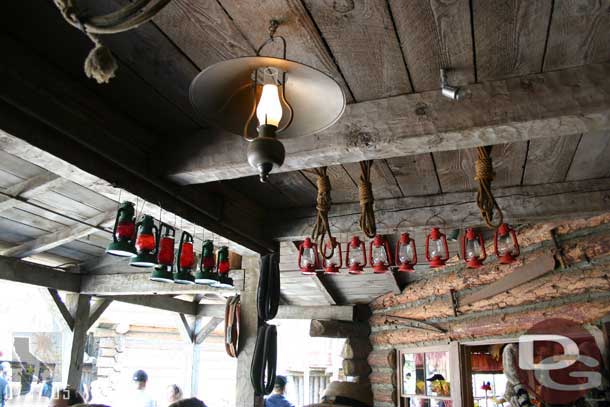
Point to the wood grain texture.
(522, 204)
(79, 338)
(510, 36)
(548, 159)
(203, 31)
(363, 41)
(579, 34)
(591, 158)
(296, 187)
(343, 187)
(435, 34)
(415, 174)
(567, 102)
(305, 45)
(382, 179)
(456, 169)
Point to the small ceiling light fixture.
(473, 249)
(123, 235)
(146, 243)
(163, 272)
(406, 254)
(186, 260)
(506, 245)
(452, 92)
(206, 275)
(223, 266)
(261, 97)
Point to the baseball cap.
(280, 381)
(435, 377)
(140, 376)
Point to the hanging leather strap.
(268, 293)
(262, 372)
(232, 315)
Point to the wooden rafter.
(28, 189)
(520, 205)
(63, 309)
(60, 237)
(207, 329)
(503, 111)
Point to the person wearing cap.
(140, 397)
(277, 398)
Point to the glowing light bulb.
(269, 109)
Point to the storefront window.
(426, 378)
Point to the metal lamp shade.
(162, 274)
(122, 248)
(222, 95)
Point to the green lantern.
(223, 267)
(146, 243)
(123, 234)
(206, 275)
(164, 271)
(186, 260)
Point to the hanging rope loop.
(367, 200)
(321, 228)
(100, 63)
(484, 175)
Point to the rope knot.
(323, 198)
(484, 170)
(365, 192)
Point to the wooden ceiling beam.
(520, 205)
(65, 119)
(330, 312)
(36, 274)
(60, 237)
(561, 103)
(27, 189)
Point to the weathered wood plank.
(363, 41)
(591, 157)
(35, 274)
(578, 34)
(520, 205)
(203, 30)
(304, 42)
(58, 238)
(510, 36)
(343, 187)
(456, 169)
(415, 174)
(558, 103)
(356, 348)
(63, 309)
(435, 34)
(28, 189)
(382, 178)
(97, 310)
(79, 338)
(160, 302)
(549, 159)
(296, 186)
(338, 329)
(207, 329)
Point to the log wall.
(580, 292)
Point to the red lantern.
(506, 245)
(437, 252)
(165, 257)
(356, 255)
(224, 266)
(379, 254)
(335, 262)
(308, 260)
(406, 254)
(187, 252)
(473, 249)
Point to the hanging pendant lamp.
(261, 98)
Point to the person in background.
(3, 383)
(66, 397)
(277, 398)
(140, 398)
(174, 393)
(192, 402)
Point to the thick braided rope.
(485, 175)
(365, 193)
(323, 201)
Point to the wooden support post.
(247, 336)
(63, 309)
(79, 337)
(97, 310)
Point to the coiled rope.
(268, 291)
(323, 201)
(365, 192)
(485, 199)
(100, 64)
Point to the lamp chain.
(365, 192)
(323, 202)
(485, 198)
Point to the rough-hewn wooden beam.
(519, 204)
(63, 309)
(27, 189)
(160, 302)
(35, 274)
(330, 312)
(138, 283)
(207, 329)
(97, 310)
(559, 103)
(58, 238)
(338, 329)
(79, 338)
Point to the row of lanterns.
(152, 246)
(506, 248)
